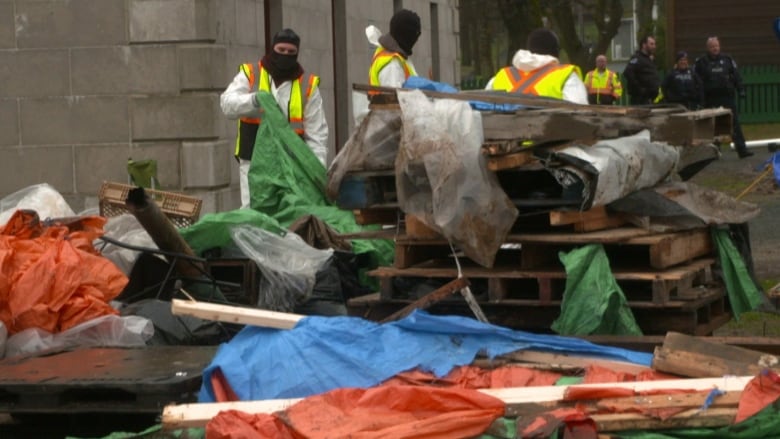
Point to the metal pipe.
(772, 144)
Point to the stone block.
(73, 23)
(203, 67)
(74, 120)
(26, 73)
(28, 165)
(205, 164)
(168, 159)
(177, 117)
(211, 201)
(249, 31)
(172, 20)
(129, 69)
(9, 122)
(98, 163)
(7, 27)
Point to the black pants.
(729, 102)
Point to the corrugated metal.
(744, 28)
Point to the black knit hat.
(287, 36)
(680, 55)
(405, 29)
(543, 42)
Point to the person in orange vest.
(390, 65)
(537, 71)
(297, 94)
(603, 85)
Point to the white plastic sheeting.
(612, 169)
(442, 179)
(42, 198)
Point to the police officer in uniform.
(682, 85)
(641, 74)
(722, 82)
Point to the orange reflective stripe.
(249, 72)
(533, 77)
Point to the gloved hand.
(256, 100)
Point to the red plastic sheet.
(379, 412)
(52, 277)
(472, 377)
(761, 391)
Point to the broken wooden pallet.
(699, 317)
(624, 246)
(659, 287)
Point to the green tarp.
(287, 181)
(593, 302)
(743, 292)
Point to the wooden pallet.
(668, 287)
(625, 245)
(700, 317)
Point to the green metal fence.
(760, 105)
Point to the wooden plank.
(376, 216)
(417, 229)
(429, 299)
(692, 418)
(676, 400)
(647, 343)
(509, 161)
(690, 356)
(564, 217)
(566, 360)
(622, 235)
(609, 222)
(680, 248)
(197, 415)
(235, 314)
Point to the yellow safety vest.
(382, 57)
(247, 126)
(603, 83)
(546, 81)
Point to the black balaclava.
(543, 42)
(283, 67)
(405, 29)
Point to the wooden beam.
(235, 314)
(509, 161)
(197, 415)
(692, 418)
(694, 357)
(565, 217)
(565, 360)
(429, 299)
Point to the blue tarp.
(325, 353)
(427, 84)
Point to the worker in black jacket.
(641, 75)
(722, 82)
(682, 85)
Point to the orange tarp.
(51, 277)
(381, 412)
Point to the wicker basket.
(182, 210)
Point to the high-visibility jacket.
(603, 83)
(383, 57)
(547, 80)
(260, 80)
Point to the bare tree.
(606, 15)
(520, 17)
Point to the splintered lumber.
(429, 299)
(235, 314)
(509, 161)
(417, 229)
(692, 418)
(597, 218)
(197, 415)
(691, 356)
(566, 360)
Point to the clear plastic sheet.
(106, 331)
(288, 265)
(42, 198)
(441, 177)
(126, 229)
(372, 146)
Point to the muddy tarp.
(593, 302)
(612, 169)
(441, 177)
(682, 205)
(744, 294)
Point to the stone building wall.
(86, 84)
